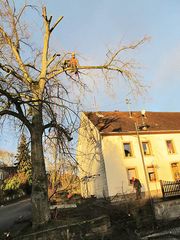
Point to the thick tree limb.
(16, 115)
(45, 62)
(100, 67)
(12, 15)
(113, 63)
(8, 40)
(15, 101)
(42, 79)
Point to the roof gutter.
(140, 132)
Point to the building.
(6, 171)
(113, 147)
(7, 168)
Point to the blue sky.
(91, 27)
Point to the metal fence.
(170, 188)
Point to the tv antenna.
(128, 103)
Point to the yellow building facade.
(114, 147)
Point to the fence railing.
(170, 188)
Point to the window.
(127, 149)
(170, 146)
(151, 173)
(131, 174)
(175, 171)
(146, 148)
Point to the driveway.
(10, 214)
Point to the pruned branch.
(42, 79)
(113, 63)
(100, 67)
(52, 59)
(56, 23)
(45, 62)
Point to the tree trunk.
(39, 198)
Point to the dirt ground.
(129, 220)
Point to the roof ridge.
(123, 122)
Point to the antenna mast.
(128, 103)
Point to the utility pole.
(144, 127)
(128, 102)
(142, 158)
(144, 166)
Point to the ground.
(129, 220)
(14, 216)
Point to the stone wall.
(81, 230)
(167, 210)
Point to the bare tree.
(33, 90)
(6, 158)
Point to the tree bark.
(39, 198)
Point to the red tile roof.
(108, 122)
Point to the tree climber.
(73, 63)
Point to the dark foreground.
(92, 219)
(14, 216)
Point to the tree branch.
(32, 66)
(45, 62)
(16, 115)
(56, 23)
(131, 46)
(42, 78)
(100, 67)
(12, 15)
(17, 105)
(23, 9)
(11, 71)
(8, 40)
(53, 124)
(52, 59)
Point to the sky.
(90, 28)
